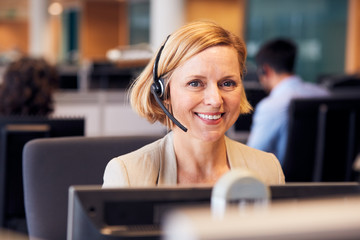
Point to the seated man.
(275, 61)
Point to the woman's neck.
(199, 161)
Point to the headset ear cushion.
(160, 88)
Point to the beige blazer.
(155, 164)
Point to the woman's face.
(205, 93)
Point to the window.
(318, 27)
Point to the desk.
(336, 218)
(106, 113)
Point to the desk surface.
(320, 219)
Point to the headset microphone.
(158, 89)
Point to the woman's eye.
(195, 83)
(229, 83)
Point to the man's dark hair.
(279, 54)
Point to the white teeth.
(209, 117)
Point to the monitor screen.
(136, 213)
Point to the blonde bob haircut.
(183, 44)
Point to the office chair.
(51, 166)
(323, 139)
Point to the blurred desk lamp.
(238, 187)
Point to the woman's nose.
(212, 96)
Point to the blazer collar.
(235, 156)
(168, 166)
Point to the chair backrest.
(323, 139)
(15, 132)
(51, 166)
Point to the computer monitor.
(60, 126)
(15, 132)
(136, 213)
(125, 213)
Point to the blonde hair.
(183, 44)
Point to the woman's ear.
(167, 100)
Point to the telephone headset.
(158, 89)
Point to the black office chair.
(341, 83)
(323, 139)
(51, 165)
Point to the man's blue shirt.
(270, 120)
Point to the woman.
(201, 68)
(27, 88)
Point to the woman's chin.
(211, 136)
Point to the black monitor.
(136, 213)
(59, 126)
(15, 133)
(254, 94)
(107, 75)
(125, 213)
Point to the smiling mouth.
(210, 117)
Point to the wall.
(228, 13)
(352, 61)
(14, 34)
(103, 26)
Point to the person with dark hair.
(275, 67)
(27, 87)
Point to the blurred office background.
(100, 46)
